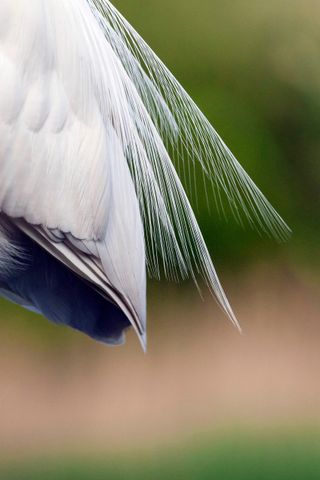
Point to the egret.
(93, 132)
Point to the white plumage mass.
(89, 197)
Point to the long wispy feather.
(161, 117)
(94, 130)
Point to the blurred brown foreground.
(66, 393)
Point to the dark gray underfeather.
(47, 286)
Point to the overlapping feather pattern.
(88, 114)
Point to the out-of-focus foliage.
(282, 457)
(253, 67)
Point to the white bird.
(89, 196)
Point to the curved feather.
(83, 101)
(169, 120)
(181, 125)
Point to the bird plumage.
(88, 114)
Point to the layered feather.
(88, 114)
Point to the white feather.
(83, 102)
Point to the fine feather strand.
(152, 115)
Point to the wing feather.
(86, 266)
(87, 115)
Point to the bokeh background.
(205, 402)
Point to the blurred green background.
(204, 402)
